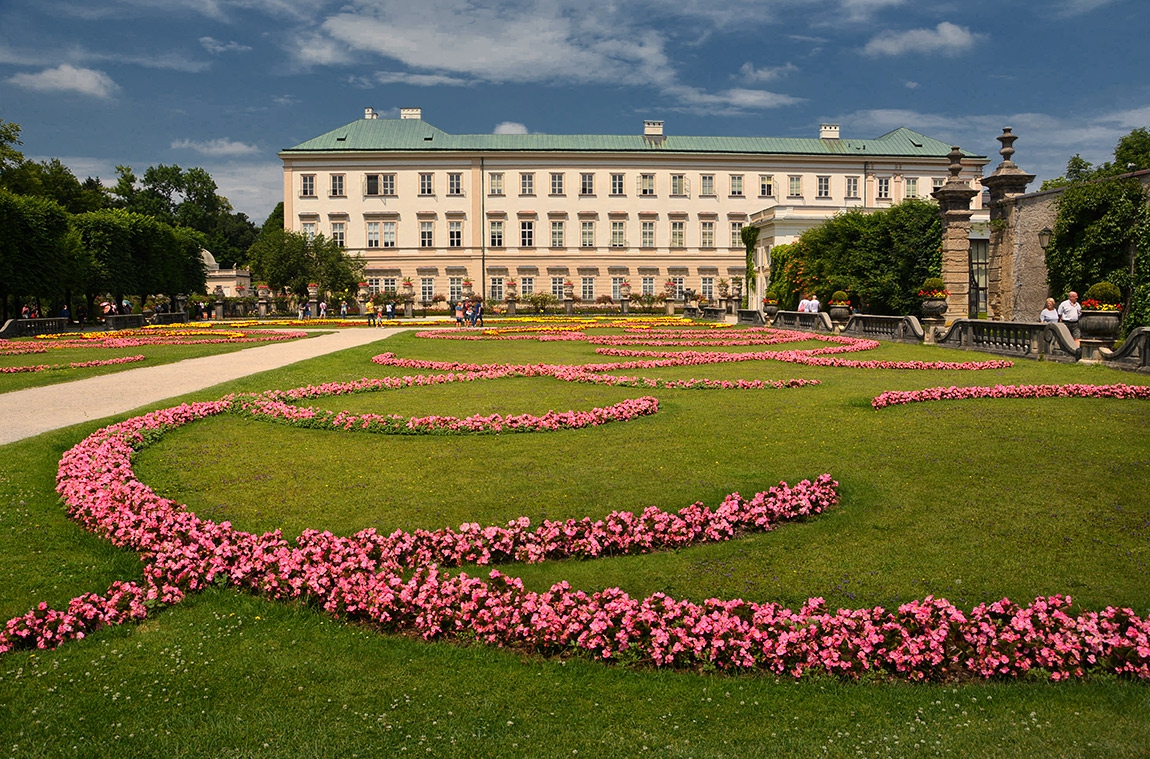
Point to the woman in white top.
(1049, 314)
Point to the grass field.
(969, 500)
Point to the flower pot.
(933, 306)
(770, 309)
(843, 313)
(1100, 325)
(624, 291)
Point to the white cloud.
(510, 127)
(767, 73)
(910, 85)
(215, 47)
(418, 80)
(253, 188)
(945, 39)
(218, 147)
(861, 10)
(1067, 8)
(727, 102)
(68, 78)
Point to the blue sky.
(225, 84)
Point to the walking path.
(24, 413)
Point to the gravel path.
(25, 413)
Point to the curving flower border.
(72, 365)
(900, 397)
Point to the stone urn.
(408, 290)
(933, 307)
(568, 290)
(724, 289)
(625, 291)
(770, 308)
(467, 290)
(263, 291)
(843, 313)
(1099, 325)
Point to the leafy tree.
(52, 179)
(286, 259)
(879, 258)
(1132, 153)
(33, 249)
(750, 236)
(9, 139)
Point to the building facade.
(597, 210)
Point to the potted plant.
(467, 287)
(408, 285)
(724, 287)
(840, 306)
(671, 287)
(1101, 311)
(770, 305)
(933, 294)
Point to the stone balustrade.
(899, 329)
(1134, 355)
(33, 327)
(817, 322)
(1052, 342)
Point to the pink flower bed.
(362, 578)
(899, 397)
(137, 339)
(73, 365)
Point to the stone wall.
(1024, 289)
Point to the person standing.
(479, 313)
(804, 304)
(1049, 314)
(1069, 312)
(813, 305)
(343, 309)
(459, 314)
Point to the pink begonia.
(72, 365)
(395, 582)
(899, 397)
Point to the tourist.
(1049, 314)
(390, 310)
(300, 317)
(459, 314)
(323, 309)
(66, 313)
(25, 313)
(343, 309)
(469, 315)
(804, 304)
(369, 311)
(379, 316)
(478, 313)
(813, 304)
(1069, 312)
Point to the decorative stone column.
(362, 296)
(736, 301)
(182, 303)
(569, 297)
(954, 208)
(263, 291)
(625, 299)
(313, 300)
(219, 293)
(511, 304)
(1006, 183)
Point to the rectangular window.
(678, 234)
(426, 186)
(337, 185)
(822, 187)
(373, 234)
(587, 184)
(647, 285)
(556, 183)
(389, 234)
(454, 289)
(455, 234)
(338, 232)
(678, 286)
(647, 234)
(884, 188)
(308, 229)
(737, 185)
(527, 285)
(852, 187)
(558, 236)
(588, 289)
(427, 234)
(766, 185)
(387, 184)
(736, 234)
(496, 237)
(557, 286)
(618, 234)
(615, 283)
(373, 285)
(616, 184)
(455, 183)
(646, 184)
(495, 183)
(707, 234)
(426, 289)
(371, 185)
(587, 234)
(678, 185)
(707, 288)
(707, 184)
(527, 234)
(795, 186)
(307, 186)
(495, 291)
(937, 183)
(912, 187)
(526, 183)
(388, 285)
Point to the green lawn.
(971, 500)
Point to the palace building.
(598, 210)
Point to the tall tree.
(9, 139)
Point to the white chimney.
(652, 128)
(828, 131)
(369, 113)
(411, 113)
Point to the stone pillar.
(408, 307)
(511, 305)
(182, 303)
(313, 300)
(624, 305)
(219, 302)
(263, 291)
(954, 208)
(569, 306)
(1006, 183)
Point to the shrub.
(933, 283)
(839, 298)
(1104, 292)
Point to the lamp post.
(1044, 236)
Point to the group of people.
(1068, 312)
(469, 313)
(809, 304)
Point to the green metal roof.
(406, 135)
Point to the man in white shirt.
(813, 305)
(1069, 312)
